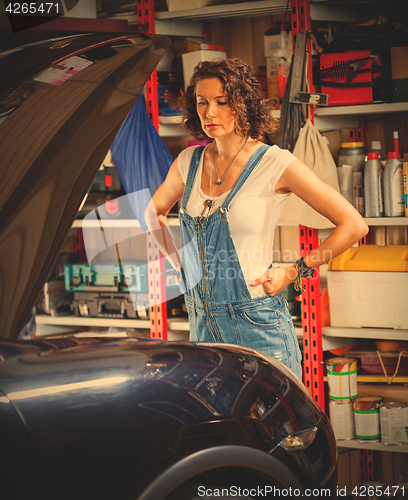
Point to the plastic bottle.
(373, 186)
(376, 148)
(394, 183)
(345, 176)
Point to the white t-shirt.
(253, 213)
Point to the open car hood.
(62, 102)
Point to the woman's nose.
(210, 111)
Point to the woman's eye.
(223, 103)
(200, 103)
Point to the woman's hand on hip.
(274, 280)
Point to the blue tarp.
(141, 158)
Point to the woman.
(232, 193)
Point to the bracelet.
(303, 272)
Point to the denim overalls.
(219, 304)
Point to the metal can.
(367, 418)
(394, 423)
(342, 420)
(342, 379)
(351, 153)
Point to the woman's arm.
(350, 227)
(166, 196)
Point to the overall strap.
(192, 171)
(249, 167)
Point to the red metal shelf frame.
(155, 259)
(311, 310)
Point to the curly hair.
(254, 116)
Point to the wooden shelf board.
(353, 443)
(365, 333)
(387, 221)
(379, 379)
(365, 109)
(44, 319)
(318, 12)
(244, 9)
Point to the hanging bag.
(141, 158)
(311, 149)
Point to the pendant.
(207, 205)
(219, 181)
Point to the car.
(136, 418)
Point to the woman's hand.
(274, 280)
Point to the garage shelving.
(347, 117)
(354, 444)
(177, 327)
(174, 325)
(318, 11)
(365, 333)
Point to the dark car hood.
(62, 103)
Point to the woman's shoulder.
(184, 160)
(273, 164)
(275, 157)
(276, 153)
(187, 153)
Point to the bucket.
(394, 423)
(342, 379)
(367, 418)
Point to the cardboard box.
(361, 299)
(199, 44)
(189, 4)
(399, 72)
(271, 67)
(191, 59)
(272, 43)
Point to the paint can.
(342, 420)
(394, 423)
(342, 379)
(367, 418)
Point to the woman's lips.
(211, 126)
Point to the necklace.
(208, 203)
(221, 179)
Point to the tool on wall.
(296, 98)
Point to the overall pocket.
(261, 329)
(262, 318)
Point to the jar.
(351, 153)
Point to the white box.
(191, 59)
(271, 67)
(271, 44)
(361, 299)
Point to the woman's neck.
(228, 147)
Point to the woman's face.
(216, 115)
